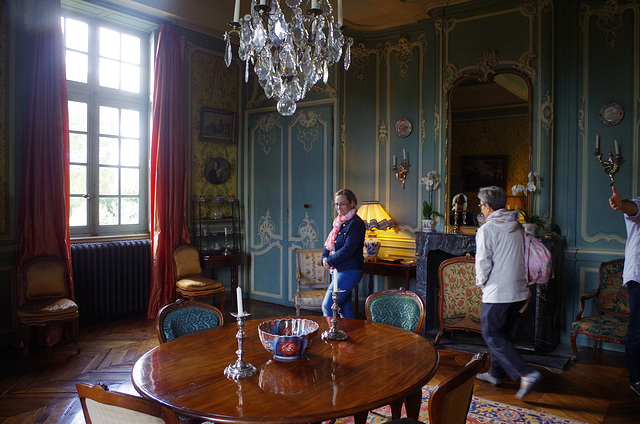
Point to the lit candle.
(239, 298)
(617, 149)
(236, 12)
(404, 155)
(597, 141)
(314, 4)
(340, 17)
(335, 285)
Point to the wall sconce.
(610, 166)
(403, 170)
(374, 217)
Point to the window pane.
(130, 181)
(109, 43)
(108, 211)
(108, 181)
(78, 148)
(130, 49)
(109, 73)
(130, 78)
(130, 152)
(130, 211)
(130, 123)
(77, 35)
(78, 179)
(77, 66)
(78, 212)
(109, 120)
(108, 152)
(77, 116)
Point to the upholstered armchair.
(184, 317)
(459, 299)
(47, 300)
(610, 317)
(190, 283)
(398, 307)
(312, 278)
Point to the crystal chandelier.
(289, 58)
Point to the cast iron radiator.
(111, 279)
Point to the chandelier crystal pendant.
(289, 57)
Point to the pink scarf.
(330, 243)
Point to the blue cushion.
(399, 311)
(187, 320)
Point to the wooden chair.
(398, 307)
(450, 400)
(610, 317)
(185, 317)
(101, 406)
(312, 278)
(459, 299)
(47, 299)
(190, 283)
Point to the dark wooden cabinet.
(216, 227)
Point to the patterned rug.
(481, 411)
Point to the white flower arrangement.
(532, 185)
(431, 181)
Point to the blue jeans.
(347, 280)
(499, 323)
(632, 342)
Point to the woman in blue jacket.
(343, 253)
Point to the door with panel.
(291, 174)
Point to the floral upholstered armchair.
(459, 299)
(610, 317)
(312, 278)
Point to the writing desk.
(378, 364)
(389, 269)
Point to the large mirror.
(488, 142)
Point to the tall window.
(107, 82)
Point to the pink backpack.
(537, 260)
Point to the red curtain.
(44, 207)
(169, 167)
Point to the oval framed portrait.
(217, 170)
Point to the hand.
(615, 201)
(324, 263)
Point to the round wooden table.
(377, 365)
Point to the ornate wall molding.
(307, 125)
(546, 112)
(383, 133)
(308, 233)
(267, 134)
(609, 19)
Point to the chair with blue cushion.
(609, 320)
(185, 317)
(398, 307)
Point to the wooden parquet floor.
(41, 387)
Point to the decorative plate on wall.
(403, 128)
(611, 114)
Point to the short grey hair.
(493, 196)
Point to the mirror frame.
(448, 122)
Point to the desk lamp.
(374, 217)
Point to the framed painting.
(217, 125)
(483, 171)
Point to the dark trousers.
(632, 342)
(499, 323)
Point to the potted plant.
(531, 222)
(428, 223)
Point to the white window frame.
(95, 96)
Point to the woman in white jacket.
(501, 274)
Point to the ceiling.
(211, 16)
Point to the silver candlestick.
(334, 334)
(240, 368)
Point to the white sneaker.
(527, 382)
(485, 376)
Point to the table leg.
(412, 404)
(361, 417)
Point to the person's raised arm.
(624, 205)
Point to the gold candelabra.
(611, 165)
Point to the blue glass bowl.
(288, 338)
